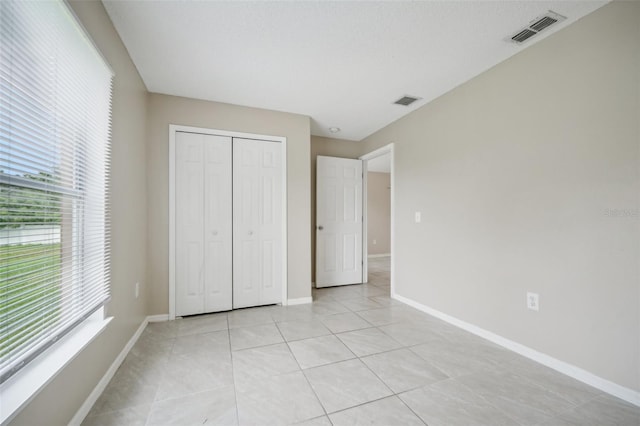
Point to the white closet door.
(257, 223)
(203, 224)
(338, 221)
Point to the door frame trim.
(387, 149)
(173, 128)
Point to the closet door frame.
(173, 128)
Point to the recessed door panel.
(349, 244)
(193, 271)
(213, 265)
(267, 196)
(350, 200)
(268, 265)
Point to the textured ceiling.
(341, 63)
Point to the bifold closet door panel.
(203, 223)
(257, 223)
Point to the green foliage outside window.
(20, 206)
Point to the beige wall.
(514, 173)
(165, 110)
(332, 148)
(59, 401)
(378, 213)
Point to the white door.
(257, 222)
(338, 221)
(203, 224)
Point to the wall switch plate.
(375, 242)
(418, 217)
(533, 301)
(137, 290)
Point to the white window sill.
(20, 389)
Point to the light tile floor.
(354, 356)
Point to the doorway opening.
(378, 222)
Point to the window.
(55, 112)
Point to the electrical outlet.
(418, 217)
(533, 301)
(137, 290)
(375, 242)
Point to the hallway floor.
(353, 356)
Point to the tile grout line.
(233, 375)
(305, 377)
(393, 393)
(411, 409)
(167, 358)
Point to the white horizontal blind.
(55, 121)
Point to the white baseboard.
(299, 301)
(570, 370)
(158, 318)
(102, 384)
(371, 256)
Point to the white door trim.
(173, 128)
(369, 156)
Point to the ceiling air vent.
(537, 25)
(523, 35)
(406, 100)
(543, 23)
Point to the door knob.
(214, 232)
(250, 232)
(320, 228)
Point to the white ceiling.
(381, 164)
(341, 63)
